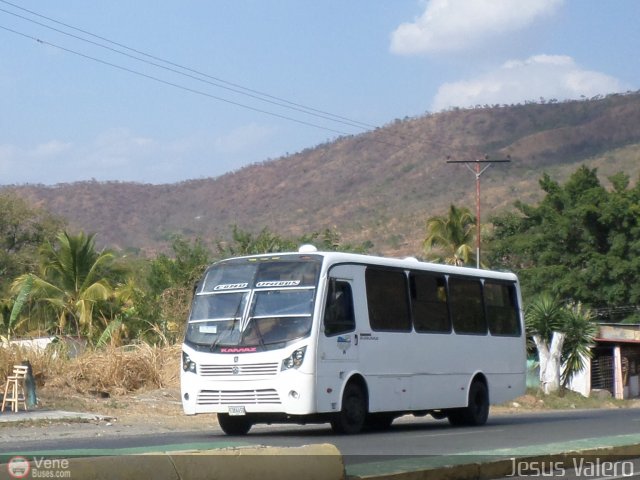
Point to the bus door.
(339, 336)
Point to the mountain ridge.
(379, 186)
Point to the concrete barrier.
(498, 467)
(312, 462)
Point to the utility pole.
(478, 170)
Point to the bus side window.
(466, 303)
(429, 303)
(388, 300)
(502, 308)
(338, 312)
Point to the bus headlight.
(295, 359)
(188, 365)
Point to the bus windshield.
(262, 305)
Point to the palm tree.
(16, 309)
(581, 331)
(544, 318)
(71, 281)
(450, 238)
(564, 335)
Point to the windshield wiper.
(257, 329)
(236, 317)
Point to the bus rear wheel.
(477, 410)
(232, 425)
(352, 417)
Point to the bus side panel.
(422, 371)
(338, 354)
(442, 375)
(460, 359)
(505, 386)
(410, 372)
(386, 360)
(507, 371)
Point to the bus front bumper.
(290, 393)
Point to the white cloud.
(243, 138)
(124, 155)
(548, 76)
(121, 137)
(454, 25)
(118, 148)
(34, 164)
(54, 147)
(114, 154)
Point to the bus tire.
(234, 425)
(351, 419)
(477, 410)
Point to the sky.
(164, 92)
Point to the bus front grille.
(238, 397)
(238, 369)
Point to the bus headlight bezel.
(294, 361)
(188, 365)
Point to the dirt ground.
(157, 411)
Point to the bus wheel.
(352, 417)
(234, 425)
(477, 412)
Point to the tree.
(23, 229)
(246, 243)
(581, 242)
(580, 332)
(16, 309)
(71, 281)
(330, 240)
(563, 336)
(181, 268)
(171, 280)
(544, 319)
(450, 238)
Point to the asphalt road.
(408, 438)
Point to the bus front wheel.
(232, 425)
(352, 417)
(477, 411)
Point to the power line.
(197, 75)
(234, 87)
(172, 84)
(193, 90)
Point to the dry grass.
(104, 372)
(43, 362)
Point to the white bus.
(354, 340)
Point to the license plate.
(237, 411)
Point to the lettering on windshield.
(230, 286)
(279, 283)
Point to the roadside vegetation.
(577, 253)
(535, 399)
